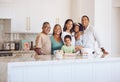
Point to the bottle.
(17, 45)
(31, 46)
(12, 45)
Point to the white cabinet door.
(82, 72)
(60, 73)
(102, 71)
(16, 74)
(19, 20)
(37, 73)
(115, 71)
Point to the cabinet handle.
(28, 23)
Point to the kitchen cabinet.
(16, 74)
(115, 72)
(60, 73)
(36, 74)
(76, 70)
(102, 71)
(82, 72)
(29, 15)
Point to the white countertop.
(50, 58)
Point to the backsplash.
(26, 36)
(7, 36)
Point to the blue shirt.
(55, 44)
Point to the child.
(68, 48)
(78, 29)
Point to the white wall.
(103, 21)
(83, 7)
(116, 3)
(115, 31)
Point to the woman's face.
(85, 22)
(76, 29)
(69, 25)
(57, 30)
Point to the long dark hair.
(81, 28)
(65, 28)
(56, 26)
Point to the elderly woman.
(56, 40)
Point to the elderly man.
(43, 42)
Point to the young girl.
(78, 29)
(68, 48)
(68, 30)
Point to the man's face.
(85, 22)
(46, 29)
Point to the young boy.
(68, 48)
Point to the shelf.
(24, 33)
(19, 51)
(21, 33)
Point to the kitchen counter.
(14, 67)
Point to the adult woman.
(68, 30)
(56, 41)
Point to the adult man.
(89, 36)
(43, 42)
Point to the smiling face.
(76, 28)
(68, 41)
(57, 30)
(85, 21)
(69, 25)
(46, 28)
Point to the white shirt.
(72, 37)
(90, 37)
(79, 42)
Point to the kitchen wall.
(103, 17)
(83, 7)
(115, 30)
